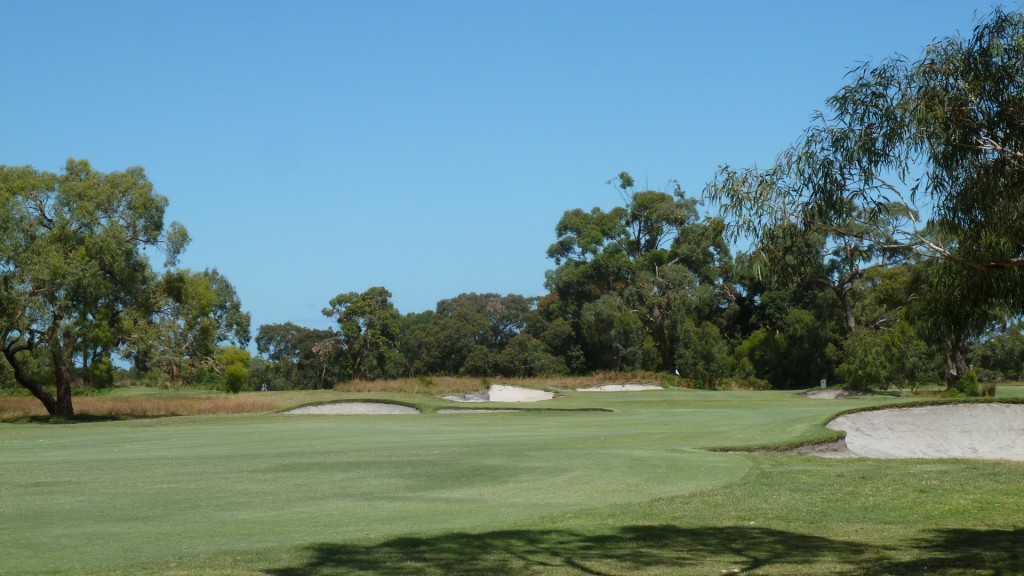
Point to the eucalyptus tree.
(919, 158)
(369, 328)
(192, 315)
(73, 255)
(650, 261)
(471, 326)
(299, 357)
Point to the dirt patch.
(355, 408)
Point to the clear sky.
(319, 147)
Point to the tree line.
(884, 248)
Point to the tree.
(939, 137)
(614, 338)
(948, 312)
(73, 255)
(370, 329)
(294, 362)
(234, 363)
(793, 354)
(1001, 353)
(192, 313)
(526, 356)
(654, 256)
(470, 325)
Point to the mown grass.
(633, 491)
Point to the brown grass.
(15, 408)
(463, 384)
(431, 385)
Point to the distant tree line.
(884, 248)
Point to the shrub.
(235, 377)
(236, 367)
(968, 384)
(987, 389)
(866, 360)
(701, 354)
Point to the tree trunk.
(956, 361)
(62, 379)
(844, 301)
(27, 382)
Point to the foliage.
(702, 354)
(234, 362)
(942, 132)
(968, 385)
(614, 338)
(466, 333)
(190, 316)
(1002, 354)
(73, 266)
(292, 361)
(526, 356)
(370, 328)
(914, 162)
(794, 355)
(627, 278)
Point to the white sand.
(350, 408)
(503, 393)
(473, 411)
(620, 388)
(835, 393)
(983, 431)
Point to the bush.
(968, 384)
(883, 358)
(701, 354)
(866, 360)
(235, 377)
(236, 367)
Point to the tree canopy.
(73, 265)
(921, 157)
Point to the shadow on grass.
(667, 549)
(963, 551)
(662, 549)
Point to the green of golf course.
(636, 488)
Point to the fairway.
(271, 493)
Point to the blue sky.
(313, 148)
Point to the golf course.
(595, 483)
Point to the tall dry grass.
(463, 384)
(15, 408)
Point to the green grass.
(632, 491)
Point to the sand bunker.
(503, 393)
(473, 411)
(620, 388)
(350, 408)
(835, 393)
(982, 431)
